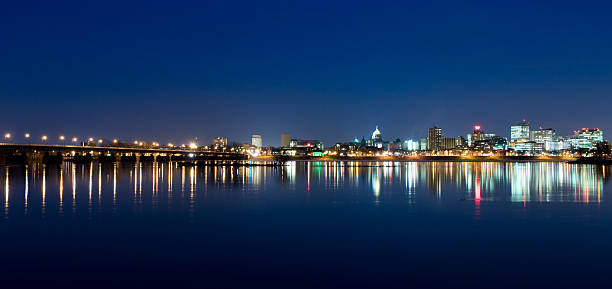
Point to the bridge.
(46, 153)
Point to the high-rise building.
(256, 141)
(586, 138)
(519, 131)
(542, 135)
(285, 140)
(434, 139)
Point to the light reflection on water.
(41, 187)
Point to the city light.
(100, 141)
(193, 146)
(91, 139)
(62, 137)
(7, 136)
(74, 139)
(44, 138)
(27, 135)
(115, 141)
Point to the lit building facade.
(586, 138)
(256, 141)
(520, 131)
(434, 139)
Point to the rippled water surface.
(310, 224)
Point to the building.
(545, 137)
(478, 135)
(586, 138)
(219, 142)
(306, 144)
(256, 141)
(519, 131)
(285, 140)
(449, 143)
(423, 144)
(376, 139)
(434, 139)
(411, 145)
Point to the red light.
(476, 127)
(308, 144)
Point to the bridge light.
(7, 136)
(62, 137)
(90, 139)
(27, 135)
(44, 138)
(100, 141)
(74, 139)
(115, 141)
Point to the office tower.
(285, 140)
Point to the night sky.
(329, 70)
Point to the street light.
(193, 146)
(100, 141)
(7, 136)
(44, 138)
(62, 138)
(27, 135)
(90, 139)
(74, 139)
(115, 141)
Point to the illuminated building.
(586, 138)
(423, 144)
(310, 144)
(411, 145)
(256, 141)
(219, 142)
(285, 140)
(434, 139)
(528, 147)
(544, 136)
(519, 131)
(478, 135)
(376, 139)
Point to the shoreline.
(429, 159)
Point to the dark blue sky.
(172, 70)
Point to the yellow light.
(8, 135)
(62, 137)
(44, 137)
(27, 135)
(193, 146)
(100, 141)
(115, 141)
(170, 144)
(91, 139)
(135, 142)
(74, 139)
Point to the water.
(309, 224)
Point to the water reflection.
(151, 185)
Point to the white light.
(8, 135)
(74, 139)
(193, 146)
(62, 137)
(27, 135)
(44, 137)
